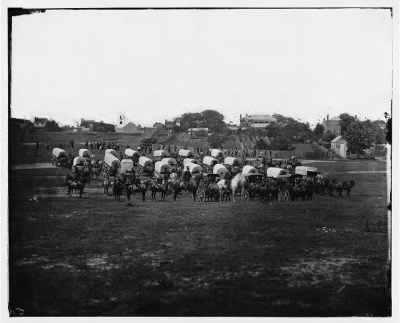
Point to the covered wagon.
(112, 152)
(126, 166)
(231, 161)
(276, 172)
(145, 161)
(111, 164)
(306, 171)
(220, 170)
(210, 161)
(171, 162)
(216, 153)
(146, 165)
(78, 161)
(161, 168)
(160, 154)
(189, 161)
(83, 152)
(185, 153)
(194, 169)
(59, 157)
(130, 153)
(58, 152)
(249, 170)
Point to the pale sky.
(152, 65)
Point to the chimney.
(327, 117)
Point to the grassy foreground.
(94, 256)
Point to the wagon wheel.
(245, 195)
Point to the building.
(87, 124)
(332, 125)
(198, 132)
(256, 121)
(158, 125)
(339, 146)
(131, 128)
(40, 122)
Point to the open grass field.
(94, 256)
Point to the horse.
(193, 185)
(297, 190)
(238, 184)
(224, 190)
(339, 189)
(347, 186)
(176, 186)
(331, 186)
(212, 192)
(141, 186)
(159, 185)
(117, 190)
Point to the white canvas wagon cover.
(161, 167)
(216, 153)
(170, 161)
(210, 161)
(126, 165)
(185, 153)
(231, 161)
(112, 161)
(306, 170)
(220, 170)
(112, 152)
(58, 152)
(189, 160)
(248, 170)
(130, 152)
(277, 172)
(83, 152)
(145, 161)
(160, 153)
(78, 160)
(194, 168)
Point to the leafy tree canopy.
(360, 135)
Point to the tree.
(261, 144)
(214, 120)
(328, 136)
(345, 121)
(52, 126)
(359, 136)
(216, 140)
(319, 130)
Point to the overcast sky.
(152, 65)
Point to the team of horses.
(204, 188)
